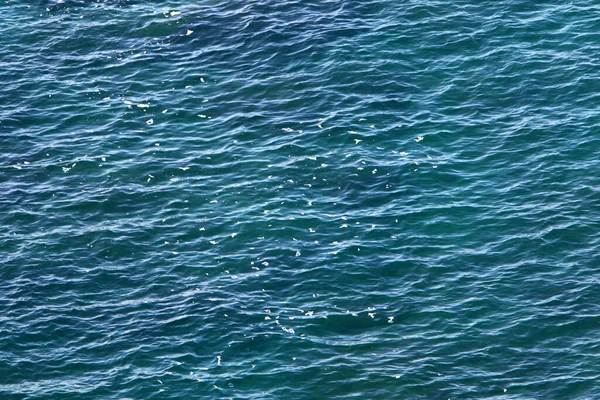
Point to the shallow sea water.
(299, 199)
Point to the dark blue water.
(299, 199)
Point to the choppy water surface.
(299, 199)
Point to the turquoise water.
(299, 199)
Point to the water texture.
(304, 199)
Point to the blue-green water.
(299, 199)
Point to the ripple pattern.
(299, 200)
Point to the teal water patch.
(270, 200)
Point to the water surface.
(299, 200)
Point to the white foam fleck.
(150, 121)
